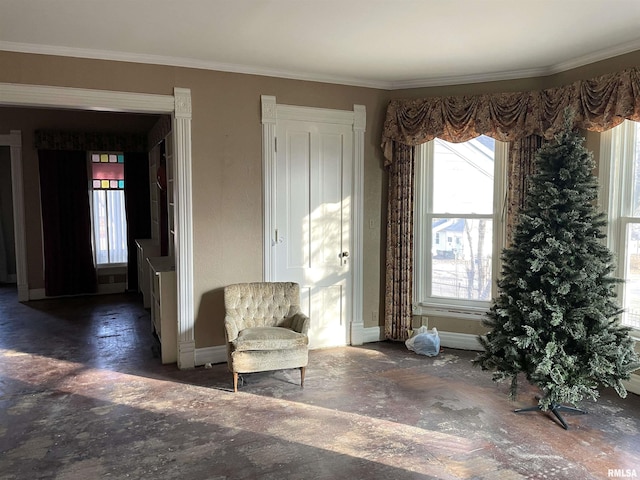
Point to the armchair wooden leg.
(302, 371)
(235, 382)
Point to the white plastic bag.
(424, 342)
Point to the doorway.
(179, 106)
(313, 209)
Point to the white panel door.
(312, 222)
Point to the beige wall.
(226, 169)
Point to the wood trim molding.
(184, 231)
(268, 104)
(12, 94)
(14, 141)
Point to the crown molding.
(594, 57)
(186, 62)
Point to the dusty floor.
(83, 396)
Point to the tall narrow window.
(458, 229)
(108, 208)
(620, 183)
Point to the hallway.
(83, 395)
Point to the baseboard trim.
(461, 341)
(103, 289)
(633, 384)
(217, 354)
(371, 334)
(108, 288)
(37, 294)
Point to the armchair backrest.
(261, 304)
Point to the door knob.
(344, 254)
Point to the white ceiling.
(377, 43)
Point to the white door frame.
(14, 141)
(271, 113)
(179, 106)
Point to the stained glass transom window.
(107, 171)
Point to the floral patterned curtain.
(520, 167)
(399, 258)
(522, 118)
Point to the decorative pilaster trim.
(268, 107)
(182, 106)
(184, 231)
(268, 104)
(357, 224)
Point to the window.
(620, 199)
(459, 233)
(109, 220)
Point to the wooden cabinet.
(164, 308)
(146, 247)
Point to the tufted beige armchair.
(264, 328)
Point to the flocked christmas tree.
(556, 318)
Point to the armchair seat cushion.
(269, 338)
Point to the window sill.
(111, 268)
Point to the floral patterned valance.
(86, 141)
(599, 104)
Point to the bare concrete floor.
(83, 396)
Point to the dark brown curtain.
(399, 256)
(136, 198)
(66, 223)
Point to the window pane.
(101, 242)
(117, 227)
(463, 176)
(461, 258)
(632, 280)
(109, 227)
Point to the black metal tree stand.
(555, 409)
